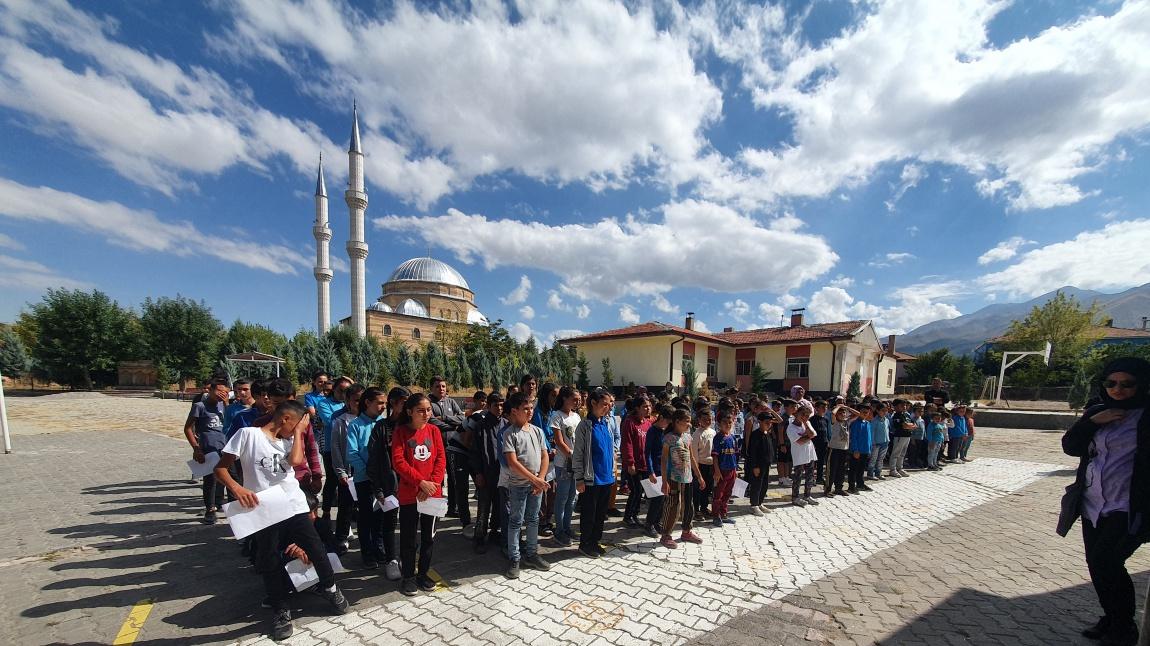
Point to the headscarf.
(802, 401)
(1140, 370)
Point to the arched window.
(387, 330)
(415, 333)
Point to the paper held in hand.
(389, 503)
(740, 489)
(653, 489)
(200, 470)
(351, 490)
(275, 505)
(304, 576)
(432, 507)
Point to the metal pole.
(4, 419)
(1001, 375)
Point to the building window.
(415, 333)
(798, 367)
(712, 368)
(387, 330)
(688, 360)
(744, 367)
(889, 377)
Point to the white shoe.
(764, 508)
(785, 482)
(391, 570)
(755, 511)
(903, 474)
(894, 474)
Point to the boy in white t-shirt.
(268, 455)
(800, 434)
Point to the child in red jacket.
(420, 463)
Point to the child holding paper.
(268, 455)
(382, 477)
(420, 463)
(680, 469)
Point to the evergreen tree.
(854, 389)
(608, 374)
(81, 337)
(181, 334)
(14, 359)
(582, 379)
(363, 362)
(463, 370)
(404, 369)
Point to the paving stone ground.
(102, 520)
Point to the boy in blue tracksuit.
(957, 432)
(369, 521)
(935, 436)
(880, 440)
(860, 447)
(653, 450)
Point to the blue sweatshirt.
(358, 435)
(959, 428)
(880, 430)
(860, 436)
(653, 449)
(937, 433)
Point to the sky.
(584, 164)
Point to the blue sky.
(583, 164)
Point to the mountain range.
(963, 334)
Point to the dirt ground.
(67, 412)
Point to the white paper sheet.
(740, 489)
(275, 505)
(389, 503)
(653, 489)
(351, 490)
(304, 576)
(433, 507)
(210, 461)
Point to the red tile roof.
(766, 336)
(1123, 333)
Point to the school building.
(820, 357)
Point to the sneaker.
(546, 531)
(630, 522)
(408, 587)
(784, 482)
(668, 542)
(614, 513)
(562, 540)
(880, 476)
(690, 537)
(651, 531)
(341, 547)
(852, 491)
(425, 583)
(717, 521)
(589, 552)
(370, 563)
(266, 603)
(336, 599)
(600, 550)
(865, 488)
(895, 474)
(281, 625)
(811, 501)
(728, 520)
(391, 570)
(765, 509)
(868, 477)
(536, 562)
(904, 474)
(840, 492)
(468, 532)
(755, 511)
(1098, 630)
(210, 517)
(799, 502)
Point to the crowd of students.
(534, 457)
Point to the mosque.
(421, 295)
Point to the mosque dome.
(412, 307)
(475, 316)
(428, 270)
(380, 306)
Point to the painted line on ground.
(134, 623)
(440, 582)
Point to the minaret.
(322, 235)
(356, 246)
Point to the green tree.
(928, 365)
(15, 362)
(964, 378)
(251, 337)
(363, 361)
(463, 370)
(181, 334)
(164, 379)
(759, 377)
(582, 379)
(854, 388)
(608, 374)
(81, 336)
(404, 369)
(1068, 325)
(691, 380)
(1085, 386)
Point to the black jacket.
(483, 453)
(1076, 442)
(760, 450)
(379, 469)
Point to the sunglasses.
(1124, 384)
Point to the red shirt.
(633, 442)
(417, 455)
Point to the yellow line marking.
(440, 583)
(134, 623)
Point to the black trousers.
(213, 492)
(1108, 545)
(268, 543)
(840, 458)
(858, 469)
(343, 509)
(952, 446)
(593, 515)
(756, 484)
(654, 510)
(329, 484)
(369, 525)
(414, 528)
(821, 452)
(458, 487)
(635, 497)
(703, 498)
(489, 517)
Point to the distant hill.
(963, 334)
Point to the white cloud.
(737, 309)
(891, 259)
(563, 334)
(17, 274)
(519, 294)
(915, 306)
(842, 281)
(527, 312)
(1110, 258)
(582, 311)
(771, 313)
(1004, 250)
(660, 302)
(628, 315)
(8, 242)
(911, 175)
(520, 332)
(142, 230)
(700, 326)
(561, 91)
(555, 302)
(686, 230)
(919, 82)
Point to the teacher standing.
(1112, 440)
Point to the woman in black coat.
(1112, 492)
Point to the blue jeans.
(877, 455)
(524, 504)
(564, 503)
